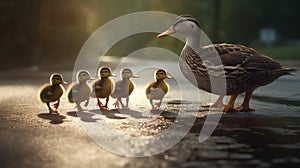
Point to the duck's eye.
(83, 74)
(56, 78)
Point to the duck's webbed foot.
(245, 105)
(217, 104)
(51, 111)
(116, 104)
(244, 109)
(157, 105)
(105, 107)
(100, 105)
(78, 107)
(87, 103)
(55, 105)
(228, 109)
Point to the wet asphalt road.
(268, 137)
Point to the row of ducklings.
(102, 88)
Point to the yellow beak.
(171, 30)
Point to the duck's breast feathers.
(102, 88)
(51, 93)
(78, 92)
(121, 89)
(156, 90)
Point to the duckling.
(102, 88)
(52, 92)
(245, 69)
(80, 91)
(156, 90)
(124, 88)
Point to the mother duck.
(244, 69)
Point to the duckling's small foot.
(51, 111)
(116, 104)
(244, 109)
(79, 108)
(55, 105)
(103, 108)
(157, 105)
(125, 108)
(99, 103)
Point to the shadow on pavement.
(84, 116)
(112, 114)
(54, 118)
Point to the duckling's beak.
(135, 76)
(113, 75)
(64, 82)
(169, 77)
(171, 30)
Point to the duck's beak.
(171, 30)
(135, 76)
(169, 77)
(64, 82)
(113, 75)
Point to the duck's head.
(57, 79)
(184, 24)
(127, 73)
(161, 74)
(105, 72)
(83, 76)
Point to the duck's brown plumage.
(244, 67)
(235, 67)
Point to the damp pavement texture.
(30, 137)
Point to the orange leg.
(245, 105)
(106, 103)
(230, 106)
(79, 108)
(218, 103)
(158, 104)
(100, 105)
(56, 104)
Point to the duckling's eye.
(55, 78)
(84, 74)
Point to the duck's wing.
(131, 87)
(72, 92)
(148, 89)
(239, 55)
(46, 93)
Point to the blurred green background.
(50, 33)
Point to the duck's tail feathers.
(289, 71)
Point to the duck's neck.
(193, 40)
(82, 82)
(159, 80)
(126, 79)
(55, 85)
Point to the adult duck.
(242, 68)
